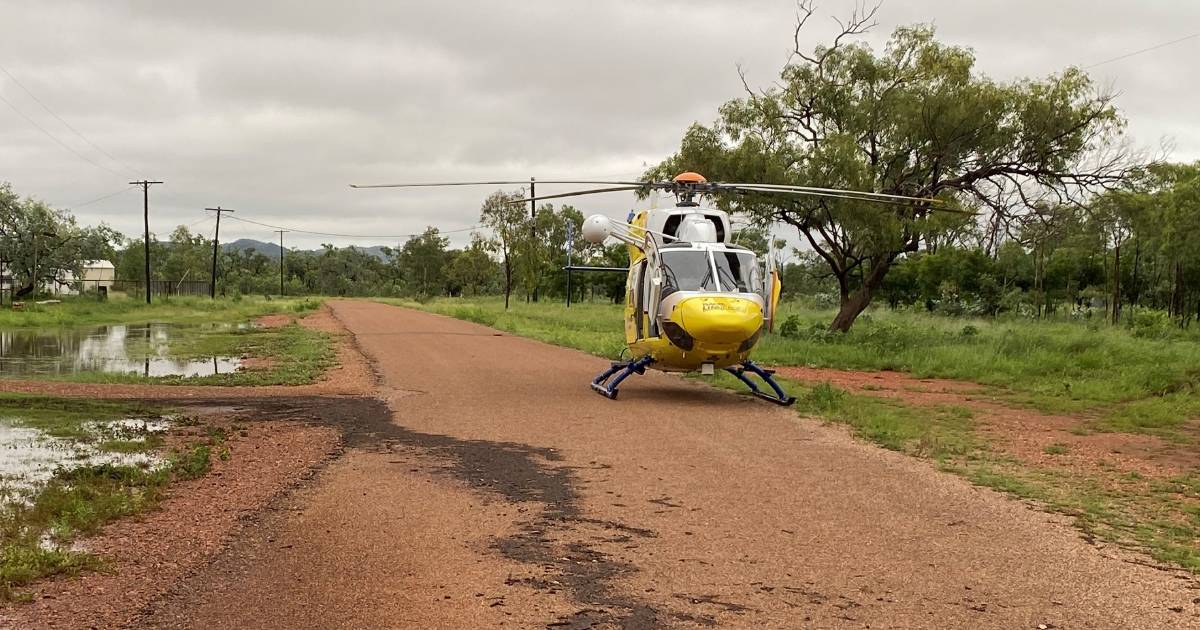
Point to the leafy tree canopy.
(916, 119)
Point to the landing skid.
(619, 371)
(780, 397)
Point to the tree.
(915, 119)
(505, 216)
(188, 256)
(472, 271)
(422, 261)
(542, 252)
(45, 244)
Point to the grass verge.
(81, 311)
(38, 526)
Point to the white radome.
(597, 228)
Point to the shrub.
(1151, 325)
(790, 327)
(824, 397)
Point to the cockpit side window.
(686, 270)
(735, 271)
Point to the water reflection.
(29, 457)
(141, 349)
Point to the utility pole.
(570, 246)
(212, 291)
(281, 251)
(532, 223)
(146, 184)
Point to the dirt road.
(492, 488)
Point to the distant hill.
(271, 250)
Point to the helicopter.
(694, 300)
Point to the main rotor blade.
(518, 182)
(839, 191)
(578, 193)
(850, 196)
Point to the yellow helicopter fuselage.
(694, 328)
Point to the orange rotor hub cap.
(690, 178)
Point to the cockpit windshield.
(736, 271)
(691, 270)
(686, 270)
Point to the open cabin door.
(771, 288)
(653, 279)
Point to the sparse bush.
(790, 327)
(824, 397)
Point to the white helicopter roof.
(694, 224)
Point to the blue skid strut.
(780, 397)
(622, 369)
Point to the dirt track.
(504, 493)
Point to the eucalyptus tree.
(917, 119)
(510, 227)
(42, 244)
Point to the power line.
(1144, 50)
(202, 220)
(101, 198)
(65, 123)
(374, 236)
(55, 138)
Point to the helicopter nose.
(721, 320)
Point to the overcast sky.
(274, 107)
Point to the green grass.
(79, 501)
(939, 433)
(175, 310)
(1161, 519)
(1145, 386)
(1142, 384)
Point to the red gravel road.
(500, 491)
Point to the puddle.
(29, 457)
(140, 349)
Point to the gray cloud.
(273, 107)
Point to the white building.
(96, 274)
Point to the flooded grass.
(211, 354)
(148, 350)
(174, 341)
(68, 467)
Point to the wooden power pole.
(146, 184)
(281, 251)
(533, 223)
(212, 290)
